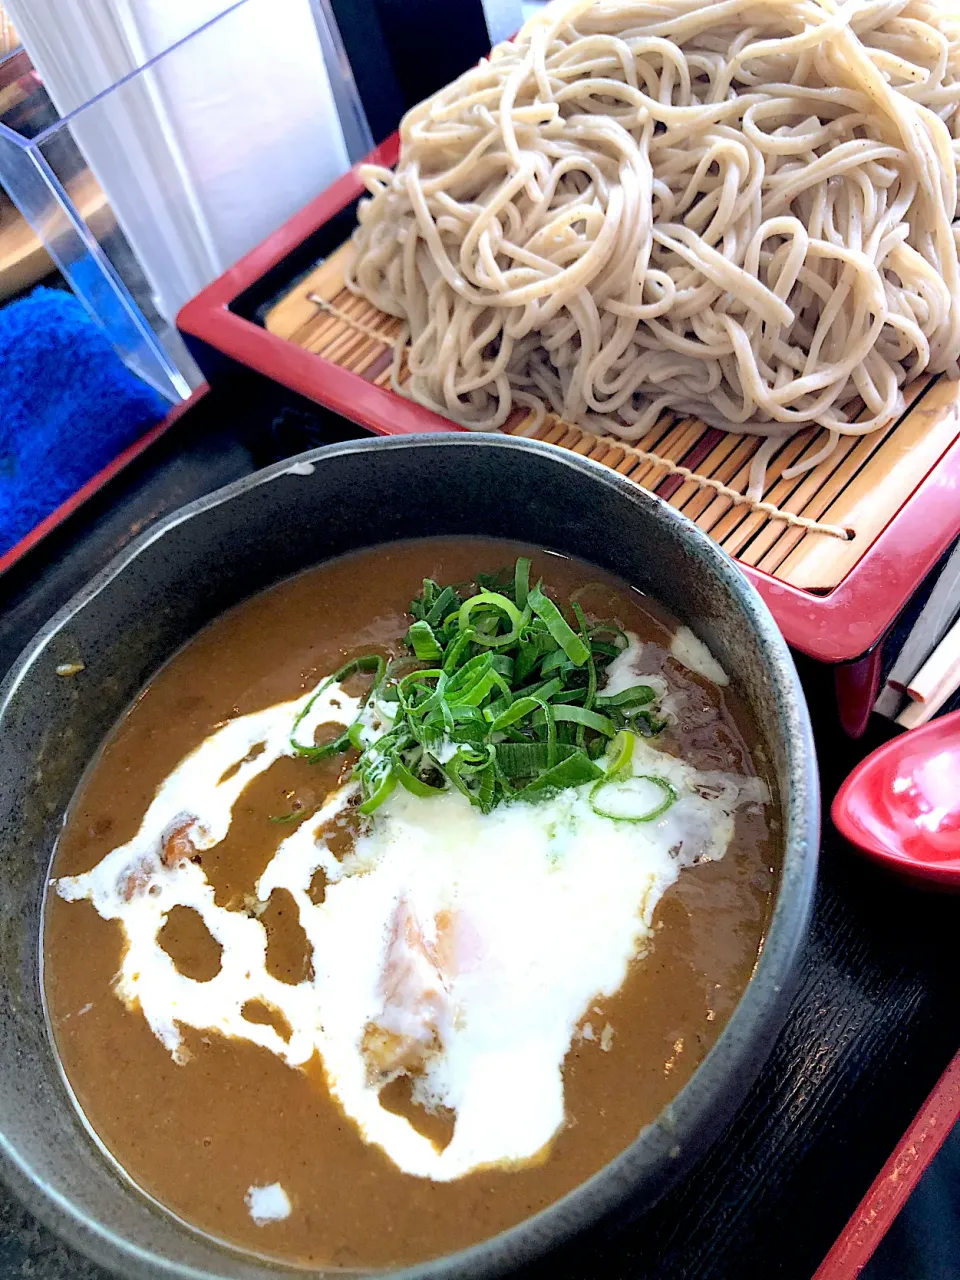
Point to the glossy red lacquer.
(892, 1186)
(902, 804)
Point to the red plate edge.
(838, 627)
(888, 1194)
(57, 517)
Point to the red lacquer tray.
(892, 1186)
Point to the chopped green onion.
(626, 790)
(434, 697)
(311, 750)
(527, 759)
(551, 723)
(527, 658)
(620, 753)
(576, 769)
(559, 628)
(570, 695)
(548, 690)
(380, 792)
(416, 786)
(496, 695)
(610, 629)
(521, 581)
(423, 642)
(445, 603)
(481, 688)
(591, 693)
(556, 661)
(518, 710)
(471, 669)
(585, 718)
(469, 732)
(638, 695)
(473, 766)
(489, 600)
(456, 651)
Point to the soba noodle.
(738, 210)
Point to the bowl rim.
(751, 1028)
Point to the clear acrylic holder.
(51, 168)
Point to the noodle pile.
(738, 210)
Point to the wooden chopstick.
(935, 670)
(916, 713)
(936, 681)
(927, 632)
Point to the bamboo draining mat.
(791, 535)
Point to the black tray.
(874, 1023)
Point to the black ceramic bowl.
(204, 559)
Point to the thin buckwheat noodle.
(742, 211)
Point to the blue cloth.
(68, 406)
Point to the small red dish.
(901, 805)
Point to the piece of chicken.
(416, 1013)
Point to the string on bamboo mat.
(643, 455)
(741, 499)
(377, 334)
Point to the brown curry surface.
(197, 1136)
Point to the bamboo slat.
(295, 312)
(809, 530)
(893, 464)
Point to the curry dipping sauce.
(369, 1009)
